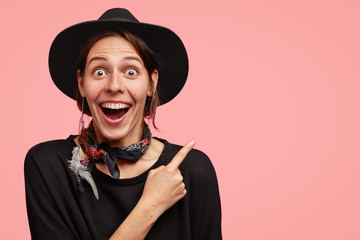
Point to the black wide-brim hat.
(68, 44)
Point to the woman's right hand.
(164, 185)
(163, 188)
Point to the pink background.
(272, 97)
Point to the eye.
(99, 73)
(131, 72)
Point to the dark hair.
(151, 63)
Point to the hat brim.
(66, 48)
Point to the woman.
(115, 181)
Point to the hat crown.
(121, 14)
(67, 45)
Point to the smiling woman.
(115, 180)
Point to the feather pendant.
(80, 171)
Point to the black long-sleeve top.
(58, 210)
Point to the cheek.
(91, 90)
(139, 91)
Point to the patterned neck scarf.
(104, 153)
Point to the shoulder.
(198, 172)
(47, 171)
(196, 161)
(49, 153)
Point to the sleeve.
(45, 220)
(206, 206)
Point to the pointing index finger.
(180, 156)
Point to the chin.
(113, 133)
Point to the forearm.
(163, 188)
(139, 222)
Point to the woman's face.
(115, 84)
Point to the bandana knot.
(110, 155)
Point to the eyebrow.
(133, 58)
(96, 58)
(128, 58)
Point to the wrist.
(150, 208)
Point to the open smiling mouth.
(114, 111)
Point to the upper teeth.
(115, 105)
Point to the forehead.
(112, 46)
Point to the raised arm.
(163, 188)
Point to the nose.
(115, 83)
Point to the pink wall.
(272, 97)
